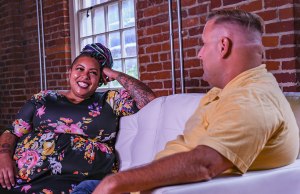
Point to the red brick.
(230, 2)
(162, 75)
(155, 85)
(164, 57)
(294, 88)
(286, 13)
(192, 63)
(154, 58)
(267, 15)
(280, 53)
(215, 3)
(151, 11)
(188, 3)
(289, 65)
(277, 3)
(273, 65)
(252, 6)
(285, 77)
(160, 19)
(270, 41)
(283, 26)
(197, 10)
(190, 22)
(195, 72)
(161, 93)
(288, 39)
(144, 59)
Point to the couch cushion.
(254, 182)
(158, 122)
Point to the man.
(243, 123)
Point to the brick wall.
(19, 64)
(281, 23)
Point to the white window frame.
(75, 31)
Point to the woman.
(63, 138)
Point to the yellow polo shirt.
(249, 122)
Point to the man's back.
(249, 122)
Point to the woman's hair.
(98, 52)
(242, 18)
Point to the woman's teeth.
(82, 84)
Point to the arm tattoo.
(7, 142)
(140, 93)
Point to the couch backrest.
(144, 134)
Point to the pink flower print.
(47, 191)
(66, 120)
(62, 128)
(124, 94)
(95, 109)
(26, 188)
(28, 160)
(75, 129)
(40, 111)
(21, 127)
(104, 148)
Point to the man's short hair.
(242, 18)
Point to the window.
(112, 23)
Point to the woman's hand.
(7, 171)
(7, 165)
(108, 75)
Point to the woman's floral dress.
(61, 144)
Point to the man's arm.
(199, 164)
(140, 93)
(7, 168)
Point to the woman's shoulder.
(106, 94)
(42, 95)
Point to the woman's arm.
(140, 93)
(7, 167)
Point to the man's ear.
(225, 47)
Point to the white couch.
(144, 134)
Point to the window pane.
(129, 42)
(88, 3)
(114, 44)
(101, 39)
(85, 42)
(99, 20)
(85, 25)
(113, 17)
(128, 13)
(131, 67)
(101, 1)
(117, 66)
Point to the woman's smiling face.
(84, 77)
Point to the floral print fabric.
(61, 144)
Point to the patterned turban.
(101, 54)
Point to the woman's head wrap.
(101, 54)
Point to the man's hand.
(7, 171)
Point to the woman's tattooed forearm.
(7, 143)
(5, 148)
(141, 93)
